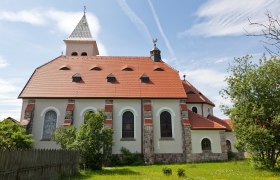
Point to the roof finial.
(85, 8)
(155, 42)
(184, 76)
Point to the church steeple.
(82, 30)
(80, 41)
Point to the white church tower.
(80, 42)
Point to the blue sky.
(197, 37)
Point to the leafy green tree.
(13, 136)
(65, 136)
(254, 90)
(91, 139)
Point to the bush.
(127, 158)
(231, 155)
(13, 136)
(91, 139)
(167, 171)
(181, 172)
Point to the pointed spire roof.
(82, 30)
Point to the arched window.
(84, 54)
(165, 124)
(49, 124)
(194, 109)
(128, 125)
(88, 114)
(206, 144)
(74, 54)
(228, 144)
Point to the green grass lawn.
(214, 170)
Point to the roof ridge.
(199, 93)
(205, 118)
(218, 120)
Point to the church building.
(150, 109)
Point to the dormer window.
(111, 78)
(84, 54)
(64, 67)
(74, 54)
(144, 78)
(95, 68)
(76, 77)
(127, 68)
(158, 69)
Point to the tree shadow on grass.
(113, 171)
(123, 171)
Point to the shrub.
(133, 159)
(231, 155)
(13, 136)
(167, 171)
(91, 139)
(181, 172)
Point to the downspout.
(142, 124)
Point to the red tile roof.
(48, 81)
(199, 122)
(228, 121)
(220, 121)
(194, 95)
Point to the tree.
(13, 136)
(66, 137)
(270, 31)
(91, 139)
(254, 90)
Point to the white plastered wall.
(212, 135)
(167, 146)
(197, 105)
(83, 105)
(81, 46)
(230, 136)
(41, 107)
(205, 110)
(119, 107)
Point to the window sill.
(166, 139)
(128, 139)
(45, 140)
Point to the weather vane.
(155, 42)
(85, 8)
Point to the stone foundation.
(208, 156)
(169, 158)
(239, 155)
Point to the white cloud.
(207, 77)
(9, 104)
(166, 41)
(61, 21)
(7, 87)
(227, 17)
(223, 60)
(34, 16)
(141, 26)
(3, 62)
